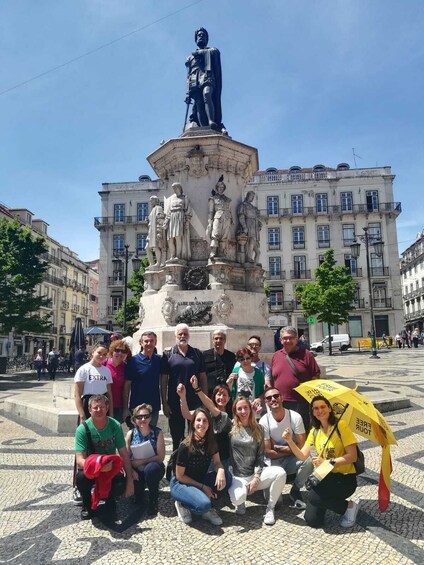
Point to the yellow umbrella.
(356, 409)
(363, 419)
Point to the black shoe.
(86, 514)
(296, 499)
(152, 508)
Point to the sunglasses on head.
(120, 350)
(142, 417)
(272, 396)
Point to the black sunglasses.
(120, 350)
(244, 358)
(272, 396)
(142, 417)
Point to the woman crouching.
(192, 487)
(336, 442)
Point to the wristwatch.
(333, 461)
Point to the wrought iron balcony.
(299, 274)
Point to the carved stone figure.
(249, 226)
(177, 224)
(204, 83)
(155, 236)
(220, 220)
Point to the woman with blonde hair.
(247, 460)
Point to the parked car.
(338, 341)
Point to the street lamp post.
(126, 254)
(378, 249)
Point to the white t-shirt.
(95, 379)
(264, 367)
(274, 430)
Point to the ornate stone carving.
(198, 314)
(223, 307)
(249, 226)
(197, 163)
(196, 279)
(177, 224)
(168, 310)
(220, 220)
(199, 249)
(155, 236)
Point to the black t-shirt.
(218, 367)
(196, 464)
(180, 369)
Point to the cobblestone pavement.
(39, 524)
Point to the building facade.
(123, 225)
(65, 283)
(306, 211)
(412, 273)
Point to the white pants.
(273, 478)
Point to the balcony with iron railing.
(93, 298)
(359, 303)
(382, 303)
(110, 221)
(379, 271)
(62, 329)
(275, 276)
(52, 279)
(65, 305)
(286, 306)
(75, 308)
(84, 311)
(383, 207)
(355, 272)
(299, 274)
(114, 281)
(51, 258)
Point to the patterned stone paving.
(39, 524)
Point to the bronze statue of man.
(204, 83)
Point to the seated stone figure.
(104, 437)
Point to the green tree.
(136, 284)
(21, 270)
(331, 296)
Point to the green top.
(105, 441)
(250, 389)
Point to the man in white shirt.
(276, 450)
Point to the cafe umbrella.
(363, 419)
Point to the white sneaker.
(269, 518)
(184, 513)
(212, 517)
(241, 509)
(349, 517)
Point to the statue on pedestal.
(204, 83)
(155, 236)
(220, 220)
(249, 227)
(177, 224)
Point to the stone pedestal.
(206, 293)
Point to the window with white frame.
(321, 203)
(346, 201)
(275, 267)
(348, 234)
(377, 265)
(273, 238)
(119, 213)
(374, 231)
(141, 243)
(276, 298)
(142, 211)
(118, 243)
(299, 263)
(297, 203)
(116, 303)
(323, 235)
(272, 205)
(372, 200)
(351, 263)
(298, 237)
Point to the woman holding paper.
(146, 446)
(332, 446)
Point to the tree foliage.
(331, 296)
(21, 270)
(136, 284)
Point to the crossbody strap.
(293, 366)
(328, 439)
(89, 438)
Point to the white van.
(338, 341)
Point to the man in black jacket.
(219, 361)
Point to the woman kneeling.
(192, 487)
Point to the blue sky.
(303, 81)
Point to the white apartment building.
(306, 211)
(123, 222)
(412, 273)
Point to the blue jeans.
(151, 476)
(192, 497)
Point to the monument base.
(238, 314)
